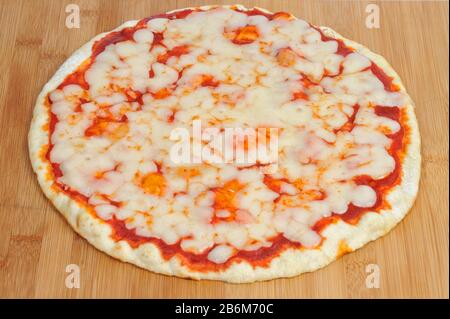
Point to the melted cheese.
(239, 71)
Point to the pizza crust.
(291, 262)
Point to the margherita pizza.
(347, 159)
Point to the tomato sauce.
(384, 78)
(381, 186)
(176, 52)
(342, 49)
(348, 127)
(262, 256)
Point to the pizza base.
(290, 262)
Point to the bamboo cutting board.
(37, 244)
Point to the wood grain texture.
(37, 244)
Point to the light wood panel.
(36, 243)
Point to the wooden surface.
(37, 244)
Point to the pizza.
(347, 162)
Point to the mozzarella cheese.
(113, 149)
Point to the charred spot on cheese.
(341, 145)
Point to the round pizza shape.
(345, 169)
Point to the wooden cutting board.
(37, 244)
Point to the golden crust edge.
(291, 262)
